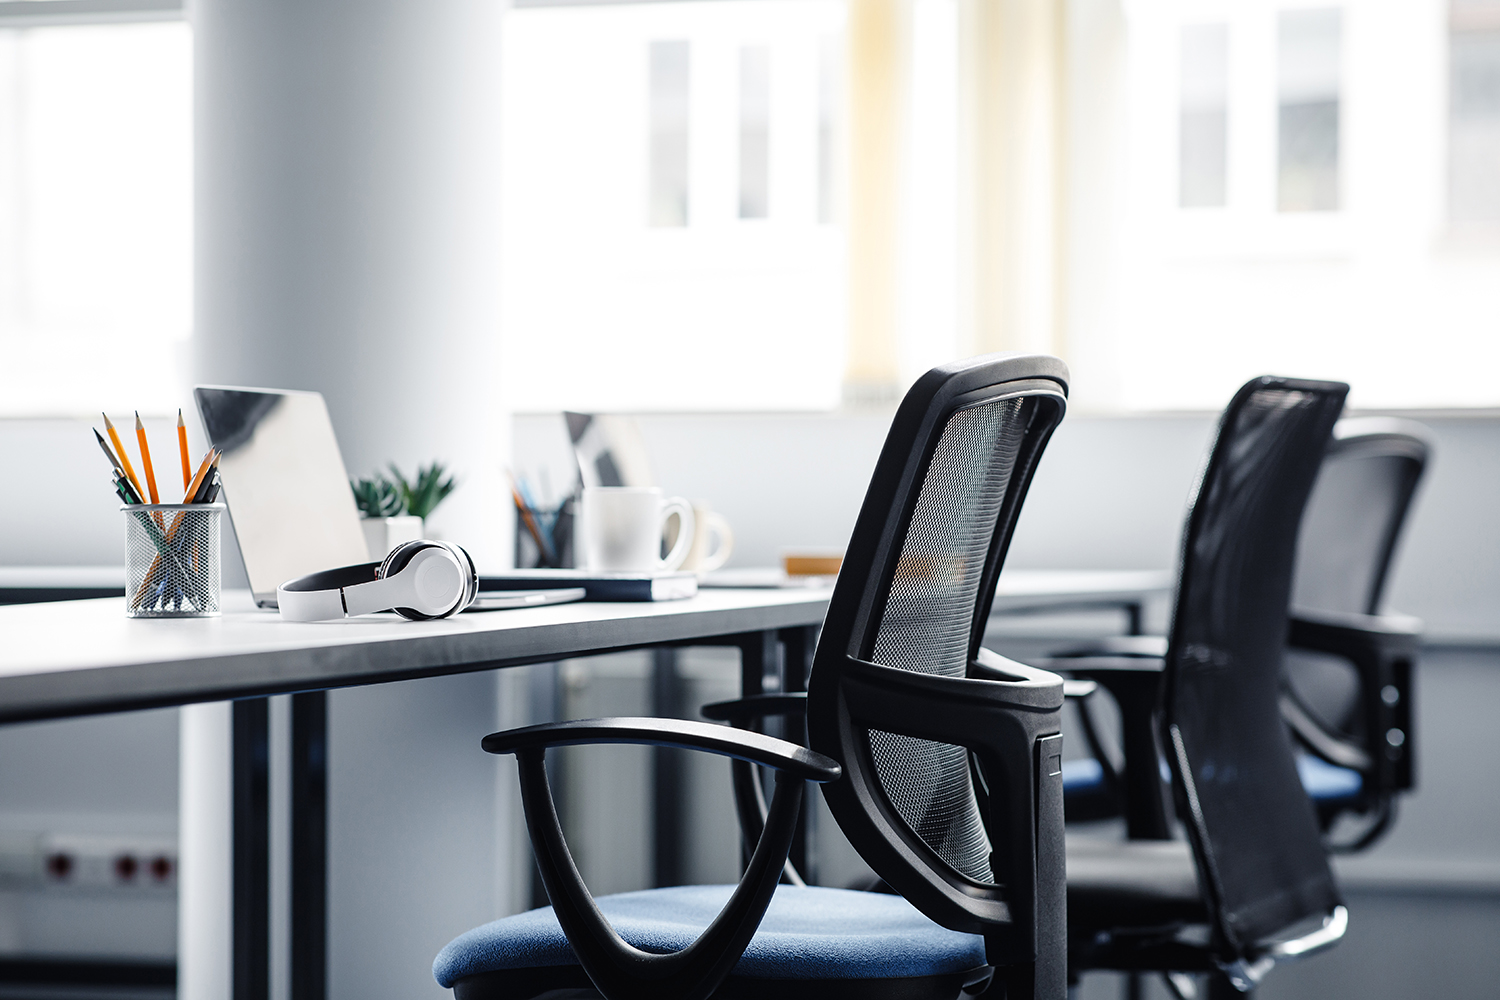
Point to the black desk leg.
(797, 646)
(251, 851)
(667, 776)
(309, 847)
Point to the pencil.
(187, 468)
(192, 489)
(114, 462)
(140, 435)
(114, 437)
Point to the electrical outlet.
(88, 862)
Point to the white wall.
(1110, 493)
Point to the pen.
(140, 435)
(544, 549)
(203, 468)
(114, 437)
(202, 491)
(187, 468)
(126, 490)
(122, 487)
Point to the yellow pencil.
(114, 437)
(208, 461)
(187, 468)
(140, 435)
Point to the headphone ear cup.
(470, 572)
(398, 558)
(462, 564)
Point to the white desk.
(81, 657)
(72, 658)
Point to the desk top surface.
(79, 657)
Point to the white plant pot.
(382, 534)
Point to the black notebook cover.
(598, 586)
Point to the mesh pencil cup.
(172, 560)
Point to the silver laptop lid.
(284, 483)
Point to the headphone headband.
(421, 580)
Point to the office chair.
(1348, 682)
(901, 698)
(1349, 668)
(1239, 895)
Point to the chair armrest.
(756, 706)
(1079, 689)
(1384, 651)
(617, 969)
(757, 748)
(749, 794)
(991, 666)
(1150, 646)
(1135, 683)
(1341, 626)
(1009, 721)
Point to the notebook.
(597, 586)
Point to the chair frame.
(1137, 676)
(1383, 648)
(1007, 714)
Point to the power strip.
(87, 863)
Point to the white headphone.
(420, 580)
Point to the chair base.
(569, 982)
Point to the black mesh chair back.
(908, 613)
(1355, 514)
(1260, 856)
(1349, 668)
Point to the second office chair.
(901, 699)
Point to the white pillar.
(203, 844)
(346, 241)
(346, 227)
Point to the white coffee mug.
(622, 529)
(713, 541)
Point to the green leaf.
(429, 489)
(377, 496)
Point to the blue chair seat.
(1082, 776)
(808, 933)
(1327, 782)
(1323, 781)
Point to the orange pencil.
(208, 461)
(140, 435)
(187, 469)
(114, 437)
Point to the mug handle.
(716, 523)
(684, 512)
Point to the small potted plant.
(383, 514)
(395, 508)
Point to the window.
(1474, 113)
(1203, 122)
(829, 68)
(669, 133)
(95, 215)
(755, 131)
(1307, 125)
(665, 174)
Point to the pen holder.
(172, 560)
